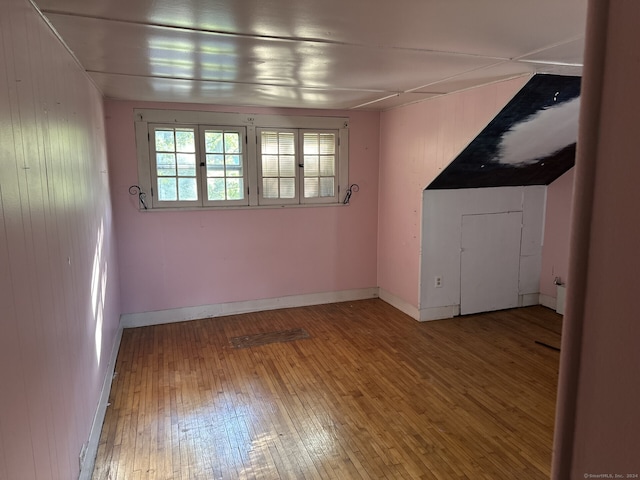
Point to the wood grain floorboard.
(370, 394)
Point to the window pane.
(213, 141)
(187, 189)
(164, 141)
(185, 141)
(215, 165)
(327, 187)
(234, 171)
(165, 164)
(311, 166)
(286, 144)
(287, 188)
(235, 190)
(217, 160)
(327, 166)
(215, 189)
(186, 164)
(167, 189)
(327, 144)
(270, 187)
(215, 171)
(270, 143)
(287, 166)
(310, 187)
(311, 144)
(232, 161)
(232, 142)
(234, 165)
(269, 166)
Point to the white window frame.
(243, 155)
(154, 177)
(143, 118)
(262, 200)
(320, 200)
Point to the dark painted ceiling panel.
(532, 141)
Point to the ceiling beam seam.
(274, 38)
(548, 47)
(227, 82)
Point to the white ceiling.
(344, 54)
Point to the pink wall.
(555, 250)
(191, 258)
(598, 419)
(416, 143)
(59, 304)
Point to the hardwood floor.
(370, 394)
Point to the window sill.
(242, 207)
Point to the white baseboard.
(131, 320)
(561, 292)
(439, 313)
(400, 304)
(548, 301)
(86, 469)
(528, 299)
(422, 314)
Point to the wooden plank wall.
(59, 304)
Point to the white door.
(490, 262)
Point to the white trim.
(243, 207)
(439, 313)
(144, 168)
(400, 304)
(548, 301)
(528, 299)
(238, 119)
(87, 466)
(132, 320)
(343, 163)
(251, 151)
(561, 296)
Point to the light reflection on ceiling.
(359, 56)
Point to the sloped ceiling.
(339, 54)
(532, 141)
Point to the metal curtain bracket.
(136, 190)
(352, 188)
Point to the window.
(174, 159)
(197, 166)
(297, 166)
(277, 167)
(225, 166)
(319, 153)
(204, 159)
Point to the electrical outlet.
(437, 282)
